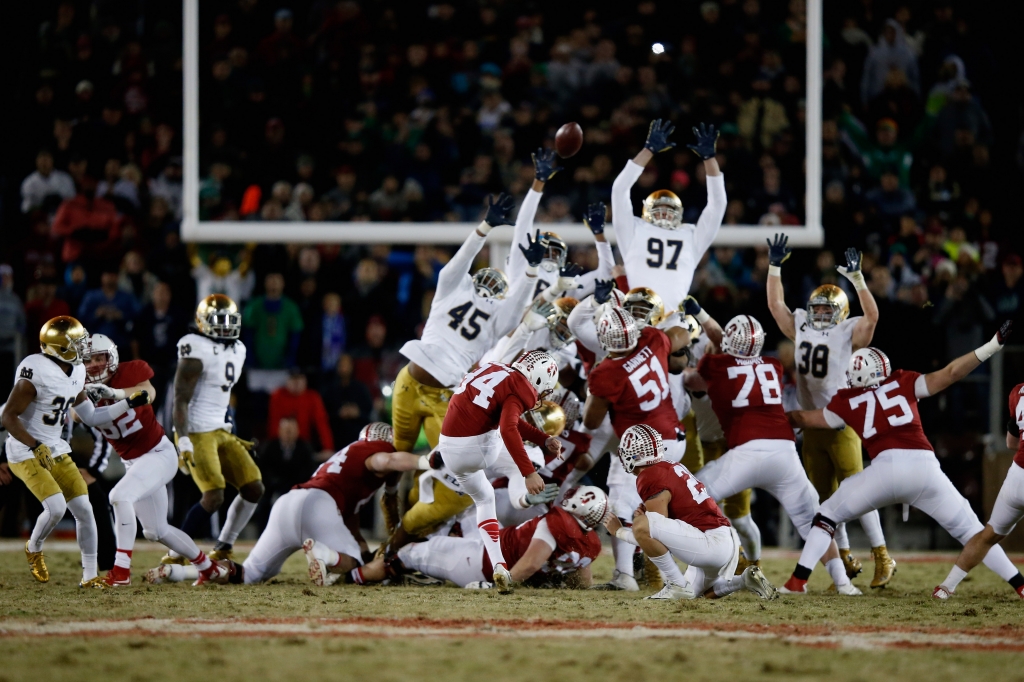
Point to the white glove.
(549, 493)
(534, 321)
(567, 284)
(479, 585)
(98, 392)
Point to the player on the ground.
(47, 385)
(658, 250)
(487, 406)
(678, 519)
(575, 460)
(210, 360)
(881, 405)
(1006, 512)
(467, 317)
(746, 394)
(149, 458)
(825, 338)
(559, 543)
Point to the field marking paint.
(860, 639)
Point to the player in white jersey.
(825, 338)
(48, 384)
(210, 361)
(658, 250)
(556, 251)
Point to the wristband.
(531, 270)
(483, 228)
(857, 279)
(702, 317)
(983, 353)
(423, 463)
(775, 271)
(184, 444)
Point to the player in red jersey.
(150, 463)
(1006, 512)
(881, 406)
(562, 541)
(678, 518)
(746, 396)
(491, 401)
(572, 464)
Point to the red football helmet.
(640, 446)
(540, 369)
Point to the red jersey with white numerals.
(575, 548)
(746, 395)
(636, 386)
(137, 431)
(1017, 415)
(495, 397)
(884, 416)
(574, 446)
(345, 476)
(690, 500)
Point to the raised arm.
(711, 327)
(622, 207)
(865, 329)
(544, 169)
(965, 364)
(594, 219)
(711, 217)
(581, 322)
(498, 213)
(778, 252)
(518, 298)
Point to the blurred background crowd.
(317, 110)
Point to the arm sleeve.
(711, 217)
(96, 416)
(622, 206)
(605, 261)
(458, 266)
(524, 226)
(323, 426)
(921, 387)
(833, 419)
(543, 533)
(511, 411)
(622, 283)
(531, 433)
(512, 308)
(581, 324)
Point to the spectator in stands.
(891, 52)
(155, 335)
(272, 327)
(109, 310)
(890, 201)
(136, 279)
(42, 304)
(348, 402)
(285, 461)
(333, 332)
(962, 116)
(90, 226)
(12, 327)
(46, 187)
(295, 399)
(223, 277)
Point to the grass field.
(287, 628)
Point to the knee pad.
(825, 523)
(152, 535)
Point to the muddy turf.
(288, 629)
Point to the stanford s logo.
(26, 373)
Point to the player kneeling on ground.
(320, 515)
(557, 544)
(679, 520)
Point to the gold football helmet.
(645, 306)
(65, 339)
(693, 326)
(664, 209)
(556, 251)
(838, 307)
(548, 417)
(217, 316)
(557, 315)
(490, 283)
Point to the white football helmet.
(96, 345)
(588, 504)
(640, 446)
(490, 283)
(743, 337)
(868, 367)
(540, 369)
(617, 331)
(377, 431)
(615, 300)
(569, 403)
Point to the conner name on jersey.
(641, 357)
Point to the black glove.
(690, 306)
(594, 217)
(707, 137)
(544, 167)
(778, 252)
(500, 212)
(853, 260)
(138, 399)
(1004, 332)
(534, 251)
(603, 290)
(570, 270)
(657, 136)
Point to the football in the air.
(568, 140)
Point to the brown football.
(568, 140)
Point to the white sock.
(815, 545)
(123, 558)
(836, 569)
(333, 558)
(670, 572)
(623, 553)
(953, 579)
(88, 536)
(750, 536)
(53, 512)
(872, 525)
(238, 516)
(180, 574)
(841, 538)
(1000, 564)
(178, 542)
(726, 586)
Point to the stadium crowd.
(349, 111)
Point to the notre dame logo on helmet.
(186, 350)
(26, 373)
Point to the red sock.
(795, 584)
(491, 528)
(202, 562)
(1020, 591)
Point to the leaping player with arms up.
(150, 461)
(825, 338)
(881, 405)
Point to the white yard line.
(171, 627)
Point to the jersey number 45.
(471, 329)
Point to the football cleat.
(217, 573)
(941, 592)
(851, 563)
(503, 580)
(418, 579)
(885, 567)
(38, 565)
(480, 585)
(794, 586)
(755, 581)
(652, 576)
(158, 575)
(1020, 591)
(221, 554)
(316, 561)
(849, 590)
(672, 591)
(745, 563)
(118, 576)
(171, 560)
(619, 582)
(96, 583)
